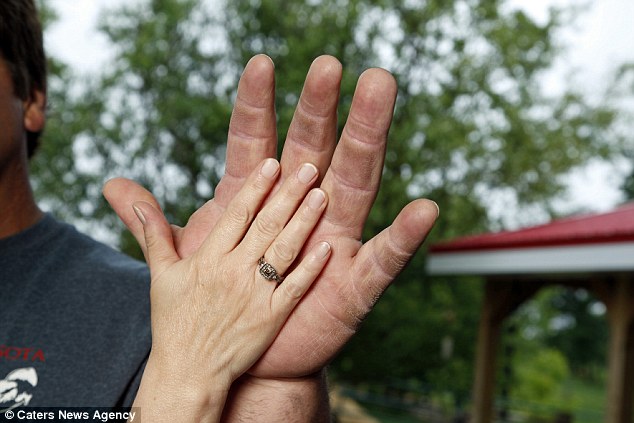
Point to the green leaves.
(158, 113)
(471, 119)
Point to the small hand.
(217, 303)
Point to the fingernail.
(437, 208)
(138, 213)
(306, 173)
(268, 57)
(316, 199)
(269, 168)
(322, 250)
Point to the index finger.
(252, 138)
(252, 133)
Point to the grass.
(585, 400)
(390, 416)
(588, 400)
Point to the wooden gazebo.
(595, 252)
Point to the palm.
(321, 323)
(324, 320)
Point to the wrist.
(167, 395)
(266, 400)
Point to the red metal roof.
(614, 226)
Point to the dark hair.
(22, 49)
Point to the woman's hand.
(214, 313)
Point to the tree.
(158, 114)
(540, 376)
(580, 331)
(621, 91)
(568, 320)
(628, 187)
(471, 122)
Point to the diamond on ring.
(268, 272)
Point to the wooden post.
(620, 389)
(501, 298)
(486, 357)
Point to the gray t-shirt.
(74, 320)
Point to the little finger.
(288, 294)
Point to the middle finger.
(312, 134)
(278, 211)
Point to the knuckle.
(293, 291)
(284, 252)
(267, 224)
(296, 190)
(306, 214)
(311, 265)
(396, 259)
(151, 241)
(240, 214)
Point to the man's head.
(22, 53)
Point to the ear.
(35, 112)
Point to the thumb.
(122, 193)
(158, 239)
(383, 257)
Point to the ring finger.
(286, 247)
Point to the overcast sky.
(602, 38)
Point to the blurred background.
(509, 114)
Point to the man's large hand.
(357, 273)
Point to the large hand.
(356, 274)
